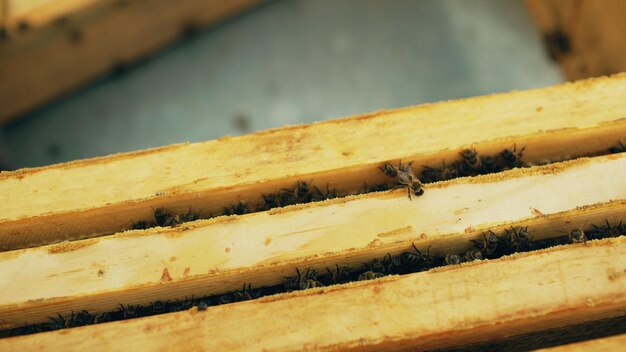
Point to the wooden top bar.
(104, 195)
(219, 255)
(440, 308)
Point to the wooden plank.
(105, 195)
(440, 308)
(38, 13)
(612, 343)
(53, 47)
(216, 256)
(591, 34)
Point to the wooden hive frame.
(49, 47)
(67, 244)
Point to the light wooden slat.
(440, 308)
(218, 255)
(70, 43)
(613, 343)
(105, 195)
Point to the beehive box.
(486, 223)
(49, 48)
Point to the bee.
(186, 303)
(489, 244)
(158, 307)
(188, 216)
(270, 201)
(376, 265)
(577, 236)
(416, 258)
(300, 194)
(202, 305)
(473, 255)
(339, 275)
(430, 174)
(391, 265)
(56, 323)
(141, 225)
(489, 165)
(102, 318)
(237, 209)
(323, 195)
(29, 329)
(23, 26)
(614, 231)
(226, 298)
(189, 30)
(470, 163)
(303, 282)
(452, 259)
(620, 148)
(162, 217)
(513, 158)
(405, 177)
(309, 280)
(558, 43)
(370, 275)
(245, 294)
(174, 308)
(449, 172)
(119, 69)
(82, 318)
(519, 239)
(130, 311)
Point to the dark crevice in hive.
(491, 246)
(549, 338)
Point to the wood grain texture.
(219, 255)
(68, 43)
(105, 195)
(594, 32)
(440, 308)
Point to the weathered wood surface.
(219, 255)
(105, 195)
(444, 307)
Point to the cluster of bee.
(164, 218)
(123, 312)
(597, 232)
(491, 246)
(470, 163)
(515, 239)
(302, 192)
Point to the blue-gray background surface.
(291, 62)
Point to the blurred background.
(80, 79)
